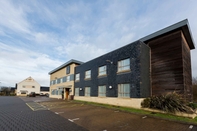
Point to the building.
(44, 90)
(156, 64)
(62, 80)
(27, 86)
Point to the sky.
(36, 36)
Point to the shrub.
(171, 102)
(192, 105)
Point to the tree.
(5, 91)
(194, 81)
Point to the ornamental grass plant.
(170, 102)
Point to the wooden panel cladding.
(171, 65)
(188, 93)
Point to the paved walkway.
(16, 115)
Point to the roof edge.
(183, 25)
(65, 64)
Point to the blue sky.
(39, 35)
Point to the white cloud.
(82, 52)
(13, 17)
(17, 64)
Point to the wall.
(127, 102)
(28, 86)
(138, 77)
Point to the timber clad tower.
(171, 60)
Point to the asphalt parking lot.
(45, 114)
(95, 118)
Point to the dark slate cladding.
(138, 77)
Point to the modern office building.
(153, 65)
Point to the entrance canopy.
(62, 87)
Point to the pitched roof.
(66, 64)
(28, 79)
(183, 25)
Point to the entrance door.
(67, 93)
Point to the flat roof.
(65, 64)
(183, 25)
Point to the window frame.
(77, 76)
(121, 65)
(77, 91)
(88, 76)
(100, 73)
(88, 94)
(123, 94)
(102, 94)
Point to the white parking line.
(58, 112)
(72, 120)
(191, 126)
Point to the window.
(102, 91)
(33, 86)
(64, 79)
(124, 90)
(77, 77)
(61, 80)
(88, 74)
(76, 91)
(102, 70)
(51, 82)
(87, 91)
(68, 70)
(23, 86)
(68, 78)
(124, 65)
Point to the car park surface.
(15, 115)
(43, 113)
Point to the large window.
(124, 90)
(87, 91)
(88, 74)
(124, 65)
(102, 70)
(102, 91)
(76, 91)
(77, 77)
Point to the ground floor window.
(76, 91)
(102, 91)
(56, 92)
(124, 90)
(87, 91)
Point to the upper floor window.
(102, 91)
(87, 91)
(33, 86)
(23, 86)
(102, 70)
(124, 65)
(68, 70)
(88, 74)
(77, 77)
(68, 78)
(124, 90)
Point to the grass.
(165, 116)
